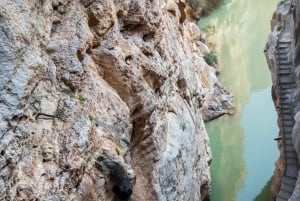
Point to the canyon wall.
(105, 100)
(282, 52)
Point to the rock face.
(282, 52)
(202, 7)
(104, 100)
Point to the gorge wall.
(103, 100)
(282, 52)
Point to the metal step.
(285, 62)
(285, 101)
(287, 188)
(291, 154)
(284, 195)
(289, 180)
(279, 198)
(289, 123)
(290, 148)
(283, 51)
(288, 86)
(292, 170)
(288, 142)
(283, 41)
(288, 129)
(283, 47)
(287, 90)
(285, 111)
(285, 107)
(291, 161)
(285, 72)
(287, 117)
(283, 97)
(287, 137)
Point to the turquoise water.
(243, 148)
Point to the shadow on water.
(265, 193)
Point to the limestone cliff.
(104, 100)
(282, 52)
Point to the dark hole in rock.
(123, 194)
(205, 192)
(181, 6)
(120, 14)
(67, 166)
(173, 12)
(80, 55)
(148, 37)
(89, 51)
(92, 20)
(147, 52)
(128, 59)
(56, 5)
(56, 22)
(137, 109)
(181, 83)
(122, 184)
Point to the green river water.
(243, 148)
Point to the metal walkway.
(286, 85)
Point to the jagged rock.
(80, 78)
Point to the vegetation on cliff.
(204, 7)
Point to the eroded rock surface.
(124, 82)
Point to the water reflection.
(228, 167)
(258, 121)
(241, 28)
(265, 193)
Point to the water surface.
(243, 147)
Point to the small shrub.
(97, 122)
(94, 120)
(195, 4)
(72, 95)
(282, 1)
(210, 58)
(81, 98)
(183, 126)
(118, 151)
(55, 114)
(63, 10)
(279, 28)
(205, 5)
(91, 117)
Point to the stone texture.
(120, 80)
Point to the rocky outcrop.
(104, 100)
(202, 7)
(282, 52)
